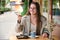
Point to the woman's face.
(32, 9)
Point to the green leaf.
(25, 8)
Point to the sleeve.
(44, 26)
(20, 25)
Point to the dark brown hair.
(38, 17)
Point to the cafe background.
(9, 9)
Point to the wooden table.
(40, 38)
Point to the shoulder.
(44, 21)
(43, 18)
(25, 17)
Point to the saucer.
(33, 37)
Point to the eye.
(33, 8)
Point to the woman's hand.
(19, 18)
(45, 35)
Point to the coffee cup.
(33, 34)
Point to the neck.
(33, 16)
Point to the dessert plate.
(34, 37)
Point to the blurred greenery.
(45, 6)
(2, 7)
(55, 2)
(25, 8)
(56, 11)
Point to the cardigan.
(25, 21)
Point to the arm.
(20, 23)
(44, 31)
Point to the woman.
(34, 21)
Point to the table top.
(39, 38)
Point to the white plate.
(34, 37)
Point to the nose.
(32, 9)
